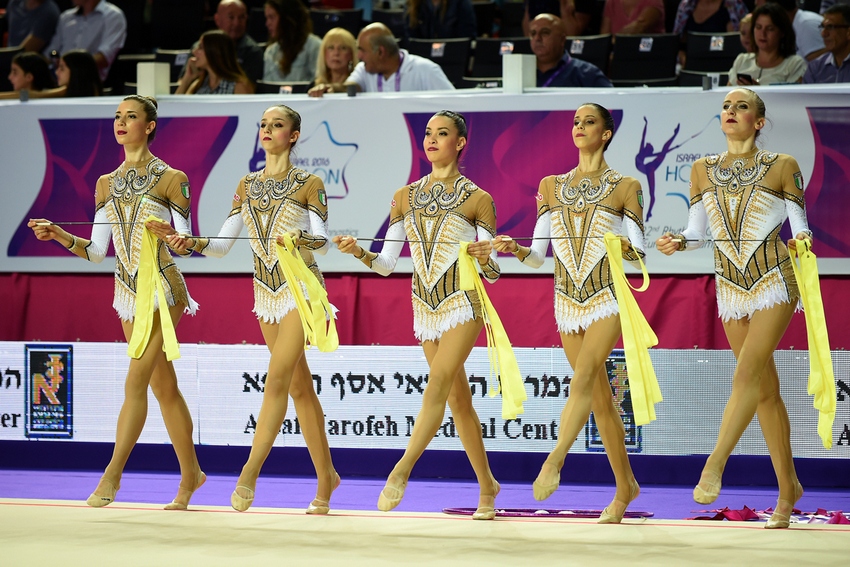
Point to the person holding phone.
(774, 59)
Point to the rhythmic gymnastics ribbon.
(317, 317)
(502, 360)
(638, 336)
(148, 286)
(821, 375)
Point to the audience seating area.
(628, 60)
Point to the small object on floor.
(531, 512)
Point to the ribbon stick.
(821, 375)
(638, 336)
(503, 363)
(316, 314)
(148, 286)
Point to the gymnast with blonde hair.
(293, 203)
(744, 196)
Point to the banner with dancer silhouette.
(366, 147)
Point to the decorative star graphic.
(323, 155)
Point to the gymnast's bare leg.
(755, 387)
(469, 430)
(154, 370)
(446, 358)
(286, 343)
(587, 352)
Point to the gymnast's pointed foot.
(392, 493)
(487, 503)
(781, 517)
(708, 488)
(104, 494)
(613, 513)
(320, 506)
(547, 481)
(184, 494)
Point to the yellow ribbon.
(148, 283)
(638, 336)
(317, 316)
(503, 363)
(821, 375)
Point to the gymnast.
(434, 214)
(296, 204)
(143, 185)
(575, 210)
(744, 196)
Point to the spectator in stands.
(213, 68)
(31, 23)
(337, 58)
(809, 41)
(231, 17)
(555, 67)
(435, 19)
(31, 72)
(774, 59)
(293, 50)
(745, 30)
(633, 16)
(384, 67)
(710, 16)
(826, 4)
(707, 16)
(94, 25)
(78, 74)
(580, 17)
(834, 65)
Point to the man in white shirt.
(94, 25)
(385, 68)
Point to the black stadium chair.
(450, 54)
(393, 19)
(695, 78)
(176, 58)
(289, 87)
(712, 52)
(644, 59)
(594, 49)
(324, 20)
(481, 83)
(487, 57)
(134, 11)
(485, 13)
(124, 68)
(512, 13)
(6, 55)
(176, 24)
(257, 25)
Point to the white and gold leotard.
(270, 206)
(575, 210)
(123, 200)
(745, 199)
(434, 215)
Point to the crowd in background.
(70, 47)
